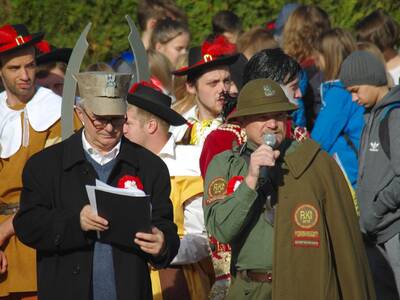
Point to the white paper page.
(92, 196)
(90, 190)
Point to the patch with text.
(305, 218)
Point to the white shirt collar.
(101, 159)
(169, 148)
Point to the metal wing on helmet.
(69, 90)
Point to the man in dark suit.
(56, 219)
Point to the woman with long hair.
(303, 27)
(171, 38)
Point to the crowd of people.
(269, 157)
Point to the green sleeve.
(225, 215)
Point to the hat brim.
(61, 54)
(36, 37)
(272, 108)
(165, 113)
(104, 106)
(222, 61)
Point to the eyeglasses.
(101, 122)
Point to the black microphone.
(269, 140)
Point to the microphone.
(269, 140)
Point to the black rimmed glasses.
(101, 122)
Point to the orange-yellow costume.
(24, 130)
(193, 259)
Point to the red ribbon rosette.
(128, 181)
(233, 183)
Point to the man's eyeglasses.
(101, 122)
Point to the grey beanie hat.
(362, 68)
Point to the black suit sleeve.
(38, 223)
(162, 217)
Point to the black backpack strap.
(384, 127)
(350, 143)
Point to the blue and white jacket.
(339, 115)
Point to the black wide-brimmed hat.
(14, 37)
(49, 53)
(209, 55)
(149, 98)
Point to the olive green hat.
(104, 93)
(261, 96)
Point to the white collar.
(41, 112)
(96, 155)
(169, 148)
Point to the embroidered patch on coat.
(217, 187)
(306, 238)
(306, 216)
(213, 199)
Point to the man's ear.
(191, 88)
(152, 126)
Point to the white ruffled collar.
(41, 112)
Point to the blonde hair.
(255, 40)
(184, 101)
(334, 45)
(373, 49)
(302, 28)
(160, 68)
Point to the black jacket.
(48, 220)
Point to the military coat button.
(76, 270)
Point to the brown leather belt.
(256, 276)
(8, 208)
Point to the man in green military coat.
(293, 229)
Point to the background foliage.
(63, 20)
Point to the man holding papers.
(56, 219)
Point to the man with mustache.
(285, 209)
(208, 78)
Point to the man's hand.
(151, 243)
(6, 230)
(3, 262)
(91, 221)
(262, 156)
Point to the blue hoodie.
(339, 115)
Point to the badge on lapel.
(129, 182)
